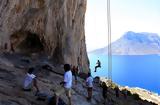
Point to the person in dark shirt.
(117, 91)
(75, 73)
(12, 48)
(104, 91)
(98, 64)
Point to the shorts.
(28, 88)
(61, 90)
(68, 92)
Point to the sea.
(130, 70)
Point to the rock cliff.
(55, 27)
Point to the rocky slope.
(55, 27)
(143, 93)
(146, 95)
(12, 71)
(132, 43)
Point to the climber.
(30, 80)
(66, 85)
(89, 83)
(98, 64)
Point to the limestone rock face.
(55, 27)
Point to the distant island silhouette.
(132, 43)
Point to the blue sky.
(126, 15)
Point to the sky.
(126, 15)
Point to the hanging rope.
(109, 42)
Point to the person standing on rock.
(12, 48)
(89, 83)
(66, 85)
(5, 46)
(75, 73)
(30, 80)
(117, 91)
(104, 91)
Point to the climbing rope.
(109, 43)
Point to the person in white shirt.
(66, 84)
(30, 80)
(89, 83)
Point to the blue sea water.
(130, 70)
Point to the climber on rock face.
(30, 80)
